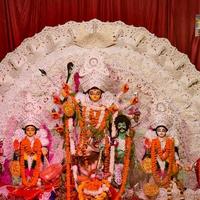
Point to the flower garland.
(107, 155)
(36, 151)
(112, 162)
(68, 161)
(68, 108)
(166, 154)
(96, 188)
(125, 167)
(151, 189)
(112, 147)
(83, 142)
(89, 118)
(15, 168)
(94, 117)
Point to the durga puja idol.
(161, 160)
(32, 174)
(30, 148)
(86, 117)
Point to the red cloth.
(29, 172)
(113, 192)
(20, 19)
(51, 172)
(26, 193)
(135, 197)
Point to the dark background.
(173, 19)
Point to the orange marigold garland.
(94, 118)
(103, 123)
(83, 142)
(68, 161)
(107, 155)
(100, 187)
(68, 107)
(125, 167)
(165, 155)
(27, 150)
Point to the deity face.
(121, 127)
(30, 130)
(122, 123)
(161, 131)
(95, 94)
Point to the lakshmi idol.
(29, 152)
(30, 156)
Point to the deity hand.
(180, 166)
(113, 108)
(65, 90)
(164, 156)
(125, 88)
(113, 142)
(17, 153)
(44, 151)
(134, 100)
(136, 115)
(102, 175)
(178, 162)
(57, 100)
(16, 145)
(188, 167)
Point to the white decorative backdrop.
(164, 78)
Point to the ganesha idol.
(88, 117)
